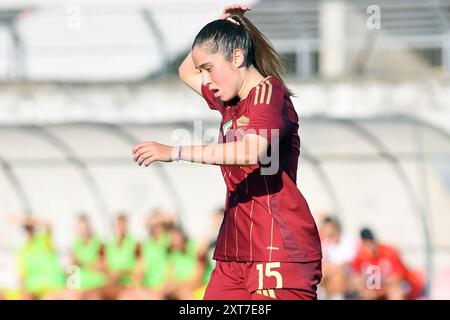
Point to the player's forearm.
(246, 152)
(237, 153)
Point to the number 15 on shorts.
(269, 271)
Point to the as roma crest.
(242, 121)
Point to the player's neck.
(86, 237)
(252, 78)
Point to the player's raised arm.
(187, 71)
(191, 76)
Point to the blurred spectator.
(207, 246)
(186, 266)
(152, 270)
(338, 250)
(122, 254)
(155, 250)
(87, 255)
(168, 265)
(39, 269)
(381, 273)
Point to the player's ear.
(238, 58)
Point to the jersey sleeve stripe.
(270, 212)
(251, 231)
(269, 94)
(256, 95)
(263, 92)
(236, 230)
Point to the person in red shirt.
(268, 245)
(380, 272)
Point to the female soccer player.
(268, 245)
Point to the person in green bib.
(38, 263)
(186, 266)
(152, 269)
(155, 251)
(122, 255)
(87, 253)
(206, 250)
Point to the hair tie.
(233, 21)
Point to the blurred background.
(82, 81)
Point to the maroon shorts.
(264, 280)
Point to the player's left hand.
(145, 153)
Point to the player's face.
(177, 240)
(370, 246)
(120, 227)
(220, 75)
(156, 229)
(330, 232)
(83, 227)
(29, 230)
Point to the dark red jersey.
(266, 216)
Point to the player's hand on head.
(234, 9)
(147, 152)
